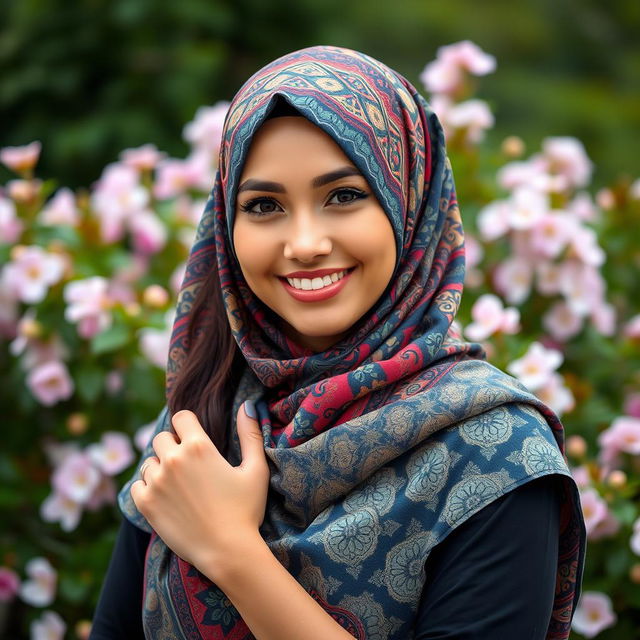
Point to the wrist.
(225, 564)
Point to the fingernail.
(250, 409)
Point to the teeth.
(307, 284)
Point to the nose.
(306, 239)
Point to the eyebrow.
(277, 187)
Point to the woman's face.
(312, 240)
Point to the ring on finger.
(143, 468)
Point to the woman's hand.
(201, 506)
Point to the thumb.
(250, 435)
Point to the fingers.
(250, 436)
(164, 442)
(186, 424)
(149, 468)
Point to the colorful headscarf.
(386, 442)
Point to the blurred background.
(89, 276)
(92, 77)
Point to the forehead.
(290, 143)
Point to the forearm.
(257, 585)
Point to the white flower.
(534, 369)
(40, 589)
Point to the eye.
(260, 206)
(346, 195)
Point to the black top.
(494, 576)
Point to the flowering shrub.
(88, 284)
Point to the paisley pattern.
(381, 445)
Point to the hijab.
(383, 444)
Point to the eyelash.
(250, 204)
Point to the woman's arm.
(495, 575)
(209, 514)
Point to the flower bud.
(513, 147)
(617, 479)
(77, 423)
(155, 296)
(576, 446)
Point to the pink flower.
(148, 232)
(583, 207)
(634, 542)
(549, 278)
(76, 478)
(113, 382)
(61, 209)
(581, 476)
(59, 508)
(584, 244)
(632, 405)
(531, 173)
(468, 56)
(493, 220)
(556, 395)
(606, 528)
(104, 493)
(113, 454)
(40, 589)
(603, 318)
(174, 177)
(551, 232)
(31, 272)
(118, 195)
(489, 317)
(11, 226)
(535, 368)
(634, 190)
(38, 352)
(472, 116)
(21, 159)
(594, 613)
(50, 626)
(512, 279)
(205, 130)
(143, 158)
(632, 328)
(50, 383)
(177, 276)
(622, 436)
(9, 584)
(582, 286)
(567, 157)
(528, 206)
(88, 305)
(445, 73)
(562, 322)
(143, 435)
(154, 343)
(594, 508)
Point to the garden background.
(543, 123)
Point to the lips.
(315, 286)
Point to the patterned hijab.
(383, 444)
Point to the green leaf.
(110, 340)
(89, 381)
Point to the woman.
(413, 489)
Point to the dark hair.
(210, 372)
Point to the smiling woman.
(312, 240)
(333, 460)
